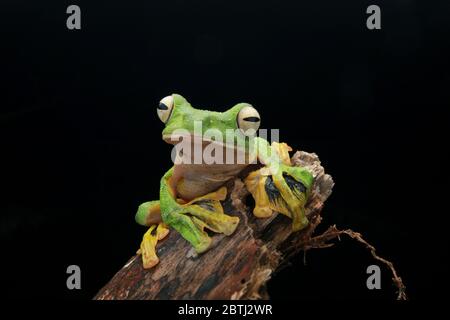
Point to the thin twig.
(333, 233)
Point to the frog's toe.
(255, 184)
(148, 245)
(205, 242)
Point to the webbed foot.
(149, 214)
(206, 212)
(281, 187)
(148, 245)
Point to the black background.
(81, 142)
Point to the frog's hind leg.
(207, 212)
(149, 214)
(202, 213)
(192, 218)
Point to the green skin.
(190, 220)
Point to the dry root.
(322, 241)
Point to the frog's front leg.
(190, 219)
(279, 186)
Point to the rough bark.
(237, 266)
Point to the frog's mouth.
(175, 139)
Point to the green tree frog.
(192, 190)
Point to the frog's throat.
(187, 147)
(175, 139)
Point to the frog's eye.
(165, 108)
(248, 120)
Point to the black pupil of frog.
(251, 119)
(162, 106)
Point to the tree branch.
(237, 266)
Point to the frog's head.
(181, 119)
